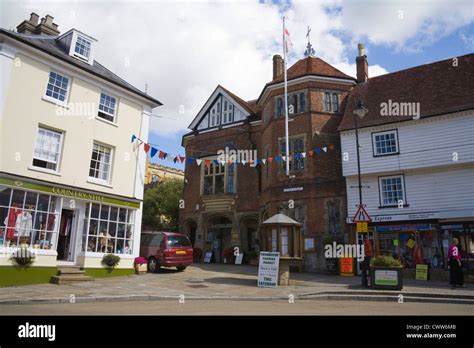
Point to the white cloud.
(183, 49)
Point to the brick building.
(225, 202)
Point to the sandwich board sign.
(268, 269)
(361, 215)
(207, 257)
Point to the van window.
(146, 238)
(177, 241)
(156, 241)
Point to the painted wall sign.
(268, 269)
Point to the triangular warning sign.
(361, 215)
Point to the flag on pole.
(287, 40)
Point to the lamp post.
(360, 111)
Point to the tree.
(161, 204)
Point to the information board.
(383, 277)
(421, 272)
(268, 269)
(207, 257)
(347, 266)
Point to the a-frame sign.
(361, 215)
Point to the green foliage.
(252, 254)
(110, 260)
(161, 204)
(384, 261)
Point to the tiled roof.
(439, 87)
(49, 45)
(246, 105)
(311, 66)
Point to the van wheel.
(181, 268)
(153, 265)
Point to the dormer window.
(82, 48)
(78, 45)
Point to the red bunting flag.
(161, 155)
(146, 147)
(310, 152)
(331, 146)
(207, 162)
(270, 159)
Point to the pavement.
(228, 282)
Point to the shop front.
(62, 225)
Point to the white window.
(58, 87)
(83, 47)
(392, 190)
(47, 149)
(385, 143)
(101, 162)
(215, 115)
(107, 106)
(331, 102)
(227, 112)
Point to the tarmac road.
(226, 307)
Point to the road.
(221, 307)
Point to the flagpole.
(287, 145)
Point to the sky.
(181, 50)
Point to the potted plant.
(332, 263)
(197, 255)
(386, 273)
(110, 261)
(253, 258)
(23, 257)
(141, 265)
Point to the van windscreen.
(177, 241)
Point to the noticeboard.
(238, 259)
(386, 277)
(268, 269)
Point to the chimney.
(28, 26)
(278, 66)
(362, 64)
(45, 27)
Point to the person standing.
(368, 253)
(456, 276)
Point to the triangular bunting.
(264, 161)
(133, 138)
(325, 149)
(331, 147)
(153, 152)
(146, 147)
(198, 161)
(303, 154)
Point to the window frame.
(292, 138)
(331, 108)
(403, 190)
(61, 133)
(79, 55)
(68, 88)
(226, 175)
(114, 116)
(374, 143)
(109, 176)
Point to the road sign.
(362, 227)
(361, 215)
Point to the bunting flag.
(162, 155)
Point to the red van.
(166, 249)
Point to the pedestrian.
(368, 253)
(456, 276)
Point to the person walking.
(368, 253)
(456, 276)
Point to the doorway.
(66, 234)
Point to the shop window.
(385, 143)
(101, 160)
(297, 161)
(109, 229)
(58, 86)
(392, 191)
(218, 178)
(47, 149)
(28, 218)
(107, 106)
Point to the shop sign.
(292, 189)
(362, 227)
(347, 266)
(404, 228)
(402, 217)
(268, 269)
(385, 277)
(421, 272)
